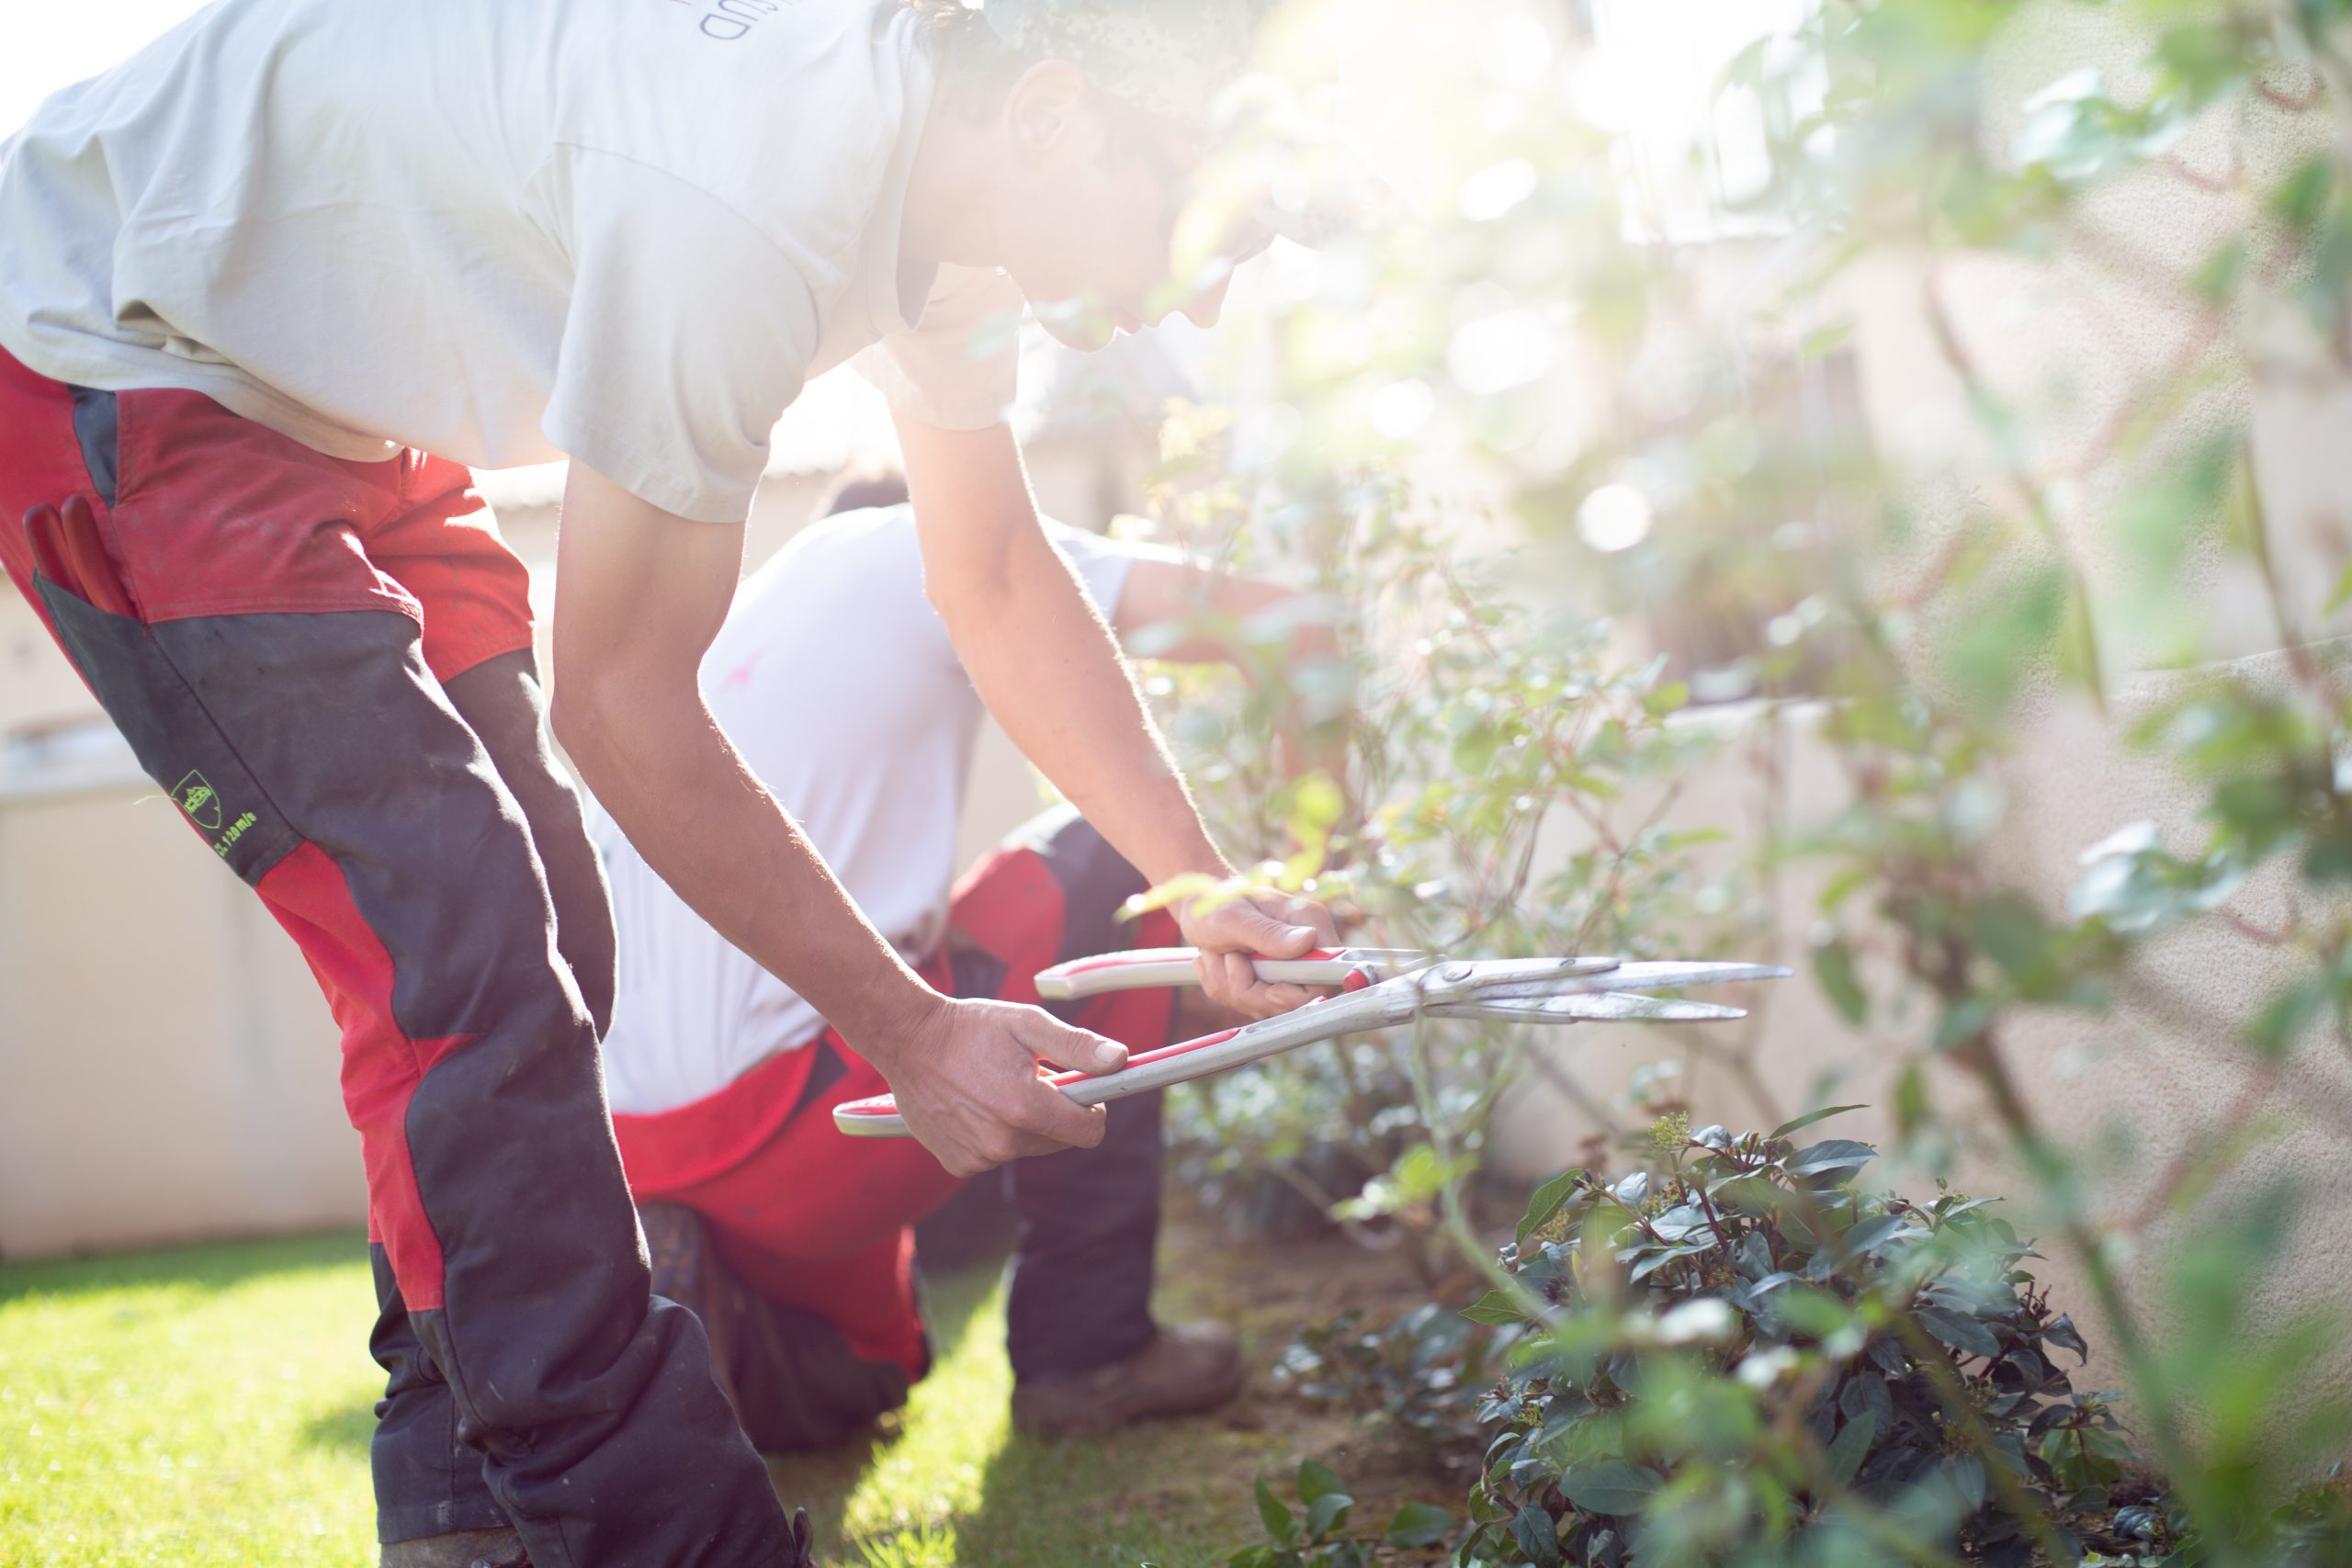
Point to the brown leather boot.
(1184, 1371)
(461, 1549)
(688, 1272)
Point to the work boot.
(1184, 1370)
(686, 1269)
(461, 1549)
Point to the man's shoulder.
(787, 112)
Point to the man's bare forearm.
(1046, 666)
(1039, 653)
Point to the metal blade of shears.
(1590, 1007)
(1638, 975)
(1144, 968)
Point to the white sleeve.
(689, 333)
(959, 367)
(1103, 562)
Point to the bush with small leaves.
(1738, 1348)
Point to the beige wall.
(168, 1069)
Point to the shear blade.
(1668, 974)
(1600, 1007)
(1632, 1007)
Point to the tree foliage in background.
(1476, 728)
(1659, 394)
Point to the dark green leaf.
(1810, 1117)
(2060, 1331)
(1961, 1333)
(1831, 1156)
(1277, 1516)
(1967, 1475)
(1658, 1260)
(1316, 1480)
(1853, 1443)
(1326, 1513)
(1872, 1232)
(1811, 1312)
(1547, 1202)
(1499, 1308)
(1532, 1528)
(1610, 1486)
(1419, 1524)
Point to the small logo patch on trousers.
(196, 798)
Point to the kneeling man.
(795, 1244)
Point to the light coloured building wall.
(166, 1067)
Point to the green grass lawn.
(210, 1406)
(204, 1406)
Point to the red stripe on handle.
(1159, 1054)
(888, 1105)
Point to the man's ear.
(1043, 108)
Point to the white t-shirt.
(836, 679)
(501, 231)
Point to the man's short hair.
(1170, 58)
(977, 68)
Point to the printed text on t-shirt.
(728, 20)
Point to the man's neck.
(947, 218)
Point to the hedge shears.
(1378, 987)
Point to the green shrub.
(1900, 1352)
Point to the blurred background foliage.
(1893, 380)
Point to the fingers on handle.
(964, 1169)
(1278, 939)
(1234, 977)
(1283, 999)
(1067, 1125)
(1316, 918)
(1078, 1049)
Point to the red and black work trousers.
(328, 666)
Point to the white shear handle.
(1144, 968)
